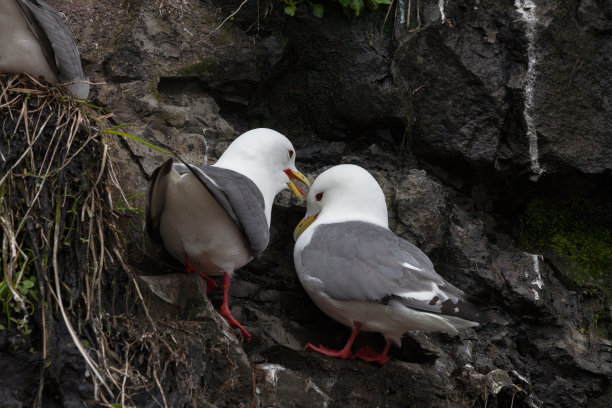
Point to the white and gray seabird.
(34, 40)
(215, 219)
(364, 276)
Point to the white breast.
(193, 223)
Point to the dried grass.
(57, 223)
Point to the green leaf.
(2, 327)
(290, 10)
(28, 284)
(136, 139)
(317, 10)
(120, 126)
(373, 4)
(357, 5)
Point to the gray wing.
(362, 261)
(240, 198)
(57, 44)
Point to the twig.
(125, 375)
(75, 339)
(575, 70)
(227, 18)
(9, 245)
(386, 16)
(161, 390)
(408, 19)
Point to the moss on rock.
(577, 229)
(204, 67)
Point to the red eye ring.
(319, 196)
(290, 154)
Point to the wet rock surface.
(437, 114)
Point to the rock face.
(453, 118)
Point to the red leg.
(210, 283)
(225, 312)
(367, 354)
(345, 352)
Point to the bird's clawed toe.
(371, 356)
(233, 322)
(343, 354)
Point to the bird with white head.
(364, 276)
(215, 219)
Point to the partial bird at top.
(34, 40)
(364, 276)
(215, 219)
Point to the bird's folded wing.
(362, 261)
(240, 198)
(55, 39)
(156, 198)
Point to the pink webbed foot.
(210, 283)
(225, 312)
(233, 322)
(369, 355)
(345, 352)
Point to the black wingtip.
(472, 309)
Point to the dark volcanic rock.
(437, 112)
(574, 85)
(421, 205)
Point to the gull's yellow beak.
(303, 225)
(294, 174)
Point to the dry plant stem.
(17, 163)
(418, 10)
(386, 16)
(9, 246)
(125, 375)
(54, 137)
(408, 19)
(100, 174)
(227, 18)
(23, 114)
(127, 268)
(161, 390)
(75, 339)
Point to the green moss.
(202, 68)
(152, 86)
(576, 229)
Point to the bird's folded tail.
(466, 308)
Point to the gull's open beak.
(294, 174)
(303, 225)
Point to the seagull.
(35, 41)
(363, 275)
(215, 219)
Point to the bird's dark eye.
(290, 154)
(319, 196)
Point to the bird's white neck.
(337, 217)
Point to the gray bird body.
(215, 219)
(357, 271)
(213, 215)
(34, 40)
